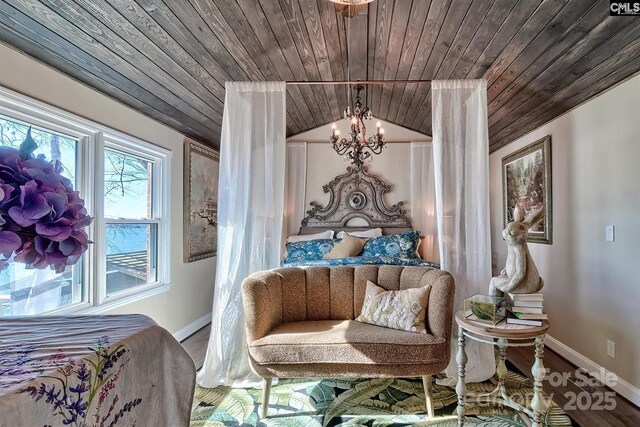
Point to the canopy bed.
(253, 186)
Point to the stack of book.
(526, 309)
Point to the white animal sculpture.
(520, 276)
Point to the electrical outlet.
(611, 349)
(610, 235)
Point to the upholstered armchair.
(300, 324)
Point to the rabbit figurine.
(520, 276)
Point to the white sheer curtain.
(250, 212)
(295, 187)
(461, 159)
(423, 198)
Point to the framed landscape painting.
(201, 167)
(526, 182)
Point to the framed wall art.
(201, 167)
(526, 181)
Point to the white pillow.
(373, 232)
(305, 237)
(404, 310)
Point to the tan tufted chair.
(300, 324)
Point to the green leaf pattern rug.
(374, 402)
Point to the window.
(131, 227)
(25, 291)
(124, 182)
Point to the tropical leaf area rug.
(363, 402)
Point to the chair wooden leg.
(426, 382)
(266, 391)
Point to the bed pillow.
(402, 245)
(404, 310)
(305, 237)
(309, 250)
(349, 247)
(372, 232)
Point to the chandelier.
(357, 149)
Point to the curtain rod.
(346, 82)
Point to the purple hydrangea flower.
(42, 218)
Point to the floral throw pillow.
(404, 310)
(402, 245)
(310, 250)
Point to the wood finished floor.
(623, 415)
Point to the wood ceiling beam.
(435, 19)
(39, 41)
(472, 21)
(282, 33)
(622, 64)
(329, 23)
(606, 53)
(269, 44)
(74, 33)
(292, 15)
(450, 28)
(563, 31)
(415, 27)
(170, 59)
(550, 14)
(315, 33)
(601, 33)
(399, 24)
(384, 18)
(240, 40)
(102, 12)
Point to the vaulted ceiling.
(170, 58)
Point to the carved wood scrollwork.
(356, 194)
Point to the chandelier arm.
(377, 150)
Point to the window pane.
(131, 256)
(127, 186)
(28, 292)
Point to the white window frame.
(92, 140)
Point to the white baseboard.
(193, 327)
(622, 387)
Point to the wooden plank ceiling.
(170, 58)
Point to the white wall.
(393, 164)
(592, 287)
(191, 294)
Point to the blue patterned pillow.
(310, 250)
(395, 245)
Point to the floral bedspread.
(362, 260)
(98, 371)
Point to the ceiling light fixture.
(357, 149)
(351, 2)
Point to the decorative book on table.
(512, 319)
(526, 309)
(537, 298)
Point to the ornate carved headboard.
(356, 194)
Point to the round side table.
(502, 336)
